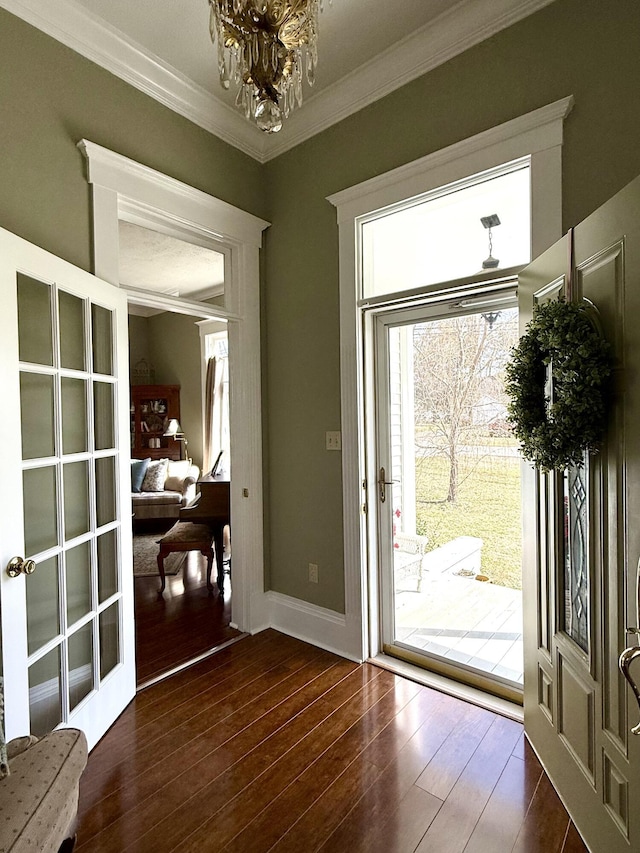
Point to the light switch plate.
(334, 440)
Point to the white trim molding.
(466, 24)
(124, 189)
(536, 136)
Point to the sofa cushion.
(138, 471)
(176, 474)
(156, 498)
(155, 476)
(40, 798)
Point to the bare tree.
(458, 364)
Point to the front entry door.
(65, 524)
(581, 549)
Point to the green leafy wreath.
(554, 434)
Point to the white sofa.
(178, 490)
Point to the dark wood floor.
(275, 745)
(182, 623)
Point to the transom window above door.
(450, 233)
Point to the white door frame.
(124, 189)
(537, 135)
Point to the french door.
(65, 526)
(581, 549)
(447, 474)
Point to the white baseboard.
(316, 625)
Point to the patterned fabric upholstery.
(155, 476)
(39, 800)
(187, 531)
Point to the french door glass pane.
(103, 415)
(35, 339)
(78, 572)
(107, 565)
(109, 639)
(74, 415)
(43, 620)
(40, 509)
(105, 490)
(45, 693)
(102, 337)
(72, 331)
(37, 415)
(80, 665)
(76, 499)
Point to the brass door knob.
(19, 566)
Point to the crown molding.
(461, 27)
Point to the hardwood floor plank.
(291, 750)
(456, 820)
(274, 745)
(545, 825)
(442, 772)
(506, 810)
(262, 833)
(207, 756)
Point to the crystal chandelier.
(262, 46)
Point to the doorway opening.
(453, 484)
(180, 425)
(441, 282)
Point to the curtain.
(216, 413)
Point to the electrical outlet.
(313, 573)
(333, 440)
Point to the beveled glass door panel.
(43, 616)
(72, 331)
(37, 415)
(76, 499)
(40, 509)
(45, 693)
(35, 338)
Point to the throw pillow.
(176, 473)
(138, 470)
(155, 476)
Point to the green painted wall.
(582, 47)
(51, 97)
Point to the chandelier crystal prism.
(265, 47)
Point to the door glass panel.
(76, 499)
(45, 693)
(105, 490)
(576, 569)
(35, 339)
(72, 336)
(102, 337)
(43, 622)
(107, 565)
(109, 639)
(74, 415)
(40, 503)
(455, 493)
(103, 415)
(78, 572)
(36, 415)
(80, 665)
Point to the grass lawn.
(488, 506)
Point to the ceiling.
(367, 48)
